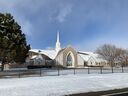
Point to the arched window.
(69, 60)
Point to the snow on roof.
(33, 57)
(98, 58)
(89, 53)
(85, 57)
(37, 57)
(50, 53)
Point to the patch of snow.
(62, 85)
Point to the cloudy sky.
(84, 24)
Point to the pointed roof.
(58, 37)
(87, 55)
(58, 47)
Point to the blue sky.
(84, 24)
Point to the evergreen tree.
(13, 45)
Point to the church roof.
(87, 55)
(50, 53)
(37, 57)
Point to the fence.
(21, 73)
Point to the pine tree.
(13, 45)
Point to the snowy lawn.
(62, 85)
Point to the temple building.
(66, 57)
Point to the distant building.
(66, 57)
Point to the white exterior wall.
(59, 59)
(91, 61)
(80, 60)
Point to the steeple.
(58, 47)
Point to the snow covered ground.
(62, 85)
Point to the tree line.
(113, 55)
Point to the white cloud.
(25, 24)
(63, 12)
(26, 28)
(45, 16)
(13, 7)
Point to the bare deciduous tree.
(123, 57)
(109, 52)
(113, 54)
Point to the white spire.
(58, 47)
(58, 37)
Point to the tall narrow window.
(69, 60)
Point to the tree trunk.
(111, 64)
(2, 67)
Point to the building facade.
(66, 57)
